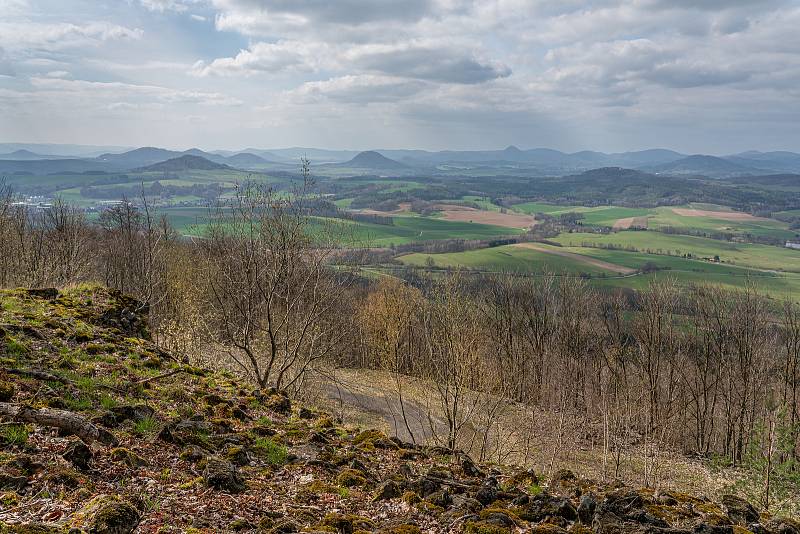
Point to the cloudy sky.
(713, 76)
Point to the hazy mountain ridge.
(541, 160)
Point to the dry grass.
(531, 437)
(467, 214)
(630, 222)
(722, 215)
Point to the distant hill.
(25, 155)
(55, 166)
(784, 180)
(244, 159)
(140, 157)
(780, 161)
(704, 165)
(183, 163)
(374, 160)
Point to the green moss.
(346, 522)
(480, 527)
(401, 529)
(410, 497)
(273, 453)
(81, 404)
(14, 434)
(366, 439)
(127, 457)
(7, 391)
(350, 478)
(15, 347)
(145, 426)
(106, 514)
(30, 528)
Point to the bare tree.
(274, 294)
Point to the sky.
(699, 76)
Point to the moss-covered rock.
(739, 510)
(127, 457)
(346, 523)
(405, 528)
(7, 391)
(486, 527)
(351, 478)
(29, 528)
(222, 475)
(388, 490)
(107, 514)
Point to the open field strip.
(630, 222)
(750, 255)
(588, 260)
(722, 215)
(513, 258)
(451, 212)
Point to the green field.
(531, 208)
(506, 258)
(594, 216)
(415, 229)
(748, 255)
(665, 216)
(510, 259)
(360, 234)
(782, 286)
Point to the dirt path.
(386, 405)
(722, 215)
(452, 212)
(619, 269)
(630, 222)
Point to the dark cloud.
(447, 65)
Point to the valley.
(617, 227)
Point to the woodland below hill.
(645, 375)
(104, 432)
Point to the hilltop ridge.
(104, 432)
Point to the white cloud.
(58, 36)
(168, 5)
(264, 57)
(362, 89)
(61, 88)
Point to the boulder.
(388, 490)
(487, 493)
(127, 457)
(586, 509)
(223, 475)
(782, 525)
(470, 469)
(6, 391)
(134, 413)
(78, 454)
(107, 514)
(739, 510)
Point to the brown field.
(630, 222)
(403, 207)
(722, 215)
(619, 269)
(467, 214)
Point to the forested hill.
(103, 432)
